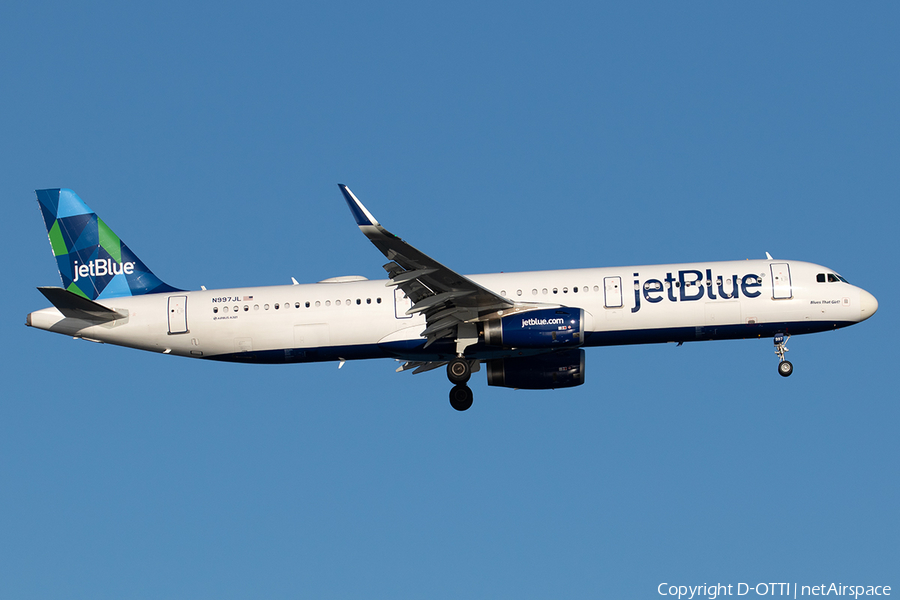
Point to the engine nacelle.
(543, 328)
(542, 372)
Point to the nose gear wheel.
(785, 368)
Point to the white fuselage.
(366, 319)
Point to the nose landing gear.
(785, 368)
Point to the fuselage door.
(781, 281)
(178, 314)
(401, 304)
(612, 292)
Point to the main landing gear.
(459, 370)
(785, 368)
(461, 397)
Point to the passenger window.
(246, 308)
(534, 292)
(266, 306)
(544, 291)
(224, 309)
(368, 301)
(596, 288)
(307, 304)
(518, 292)
(337, 302)
(575, 290)
(555, 290)
(327, 303)
(215, 309)
(503, 293)
(378, 300)
(318, 303)
(358, 301)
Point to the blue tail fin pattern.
(93, 262)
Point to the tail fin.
(93, 262)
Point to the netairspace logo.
(794, 590)
(101, 268)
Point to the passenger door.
(177, 314)
(781, 281)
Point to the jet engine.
(542, 328)
(561, 369)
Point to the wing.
(448, 300)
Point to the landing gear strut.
(459, 370)
(785, 368)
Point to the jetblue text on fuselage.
(691, 285)
(101, 268)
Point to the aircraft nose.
(868, 305)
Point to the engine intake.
(542, 372)
(542, 328)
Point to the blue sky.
(494, 137)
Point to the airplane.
(528, 329)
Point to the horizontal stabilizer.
(73, 306)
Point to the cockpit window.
(820, 278)
(832, 278)
(842, 279)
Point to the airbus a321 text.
(528, 330)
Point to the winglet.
(363, 217)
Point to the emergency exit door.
(612, 292)
(401, 304)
